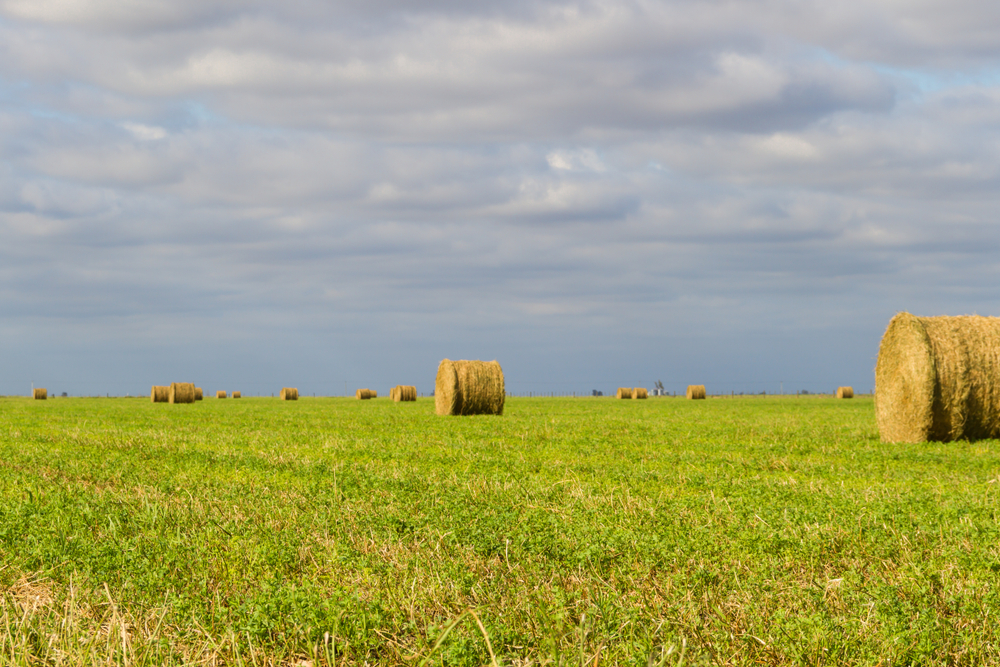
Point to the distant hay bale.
(640, 392)
(198, 394)
(938, 379)
(159, 394)
(845, 392)
(289, 394)
(624, 392)
(237, 394)
(696, 391)
(181, 392)
(220, 394)
(402, 392)
(40, 394)
(469, 388)
(363, 394)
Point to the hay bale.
(845, 392)
(938, 379)
(363, 394)
(289, 394)
(696, 391)
(640, 392)
(181, 392)
(40, 394)
(402, 392)
(469, 388)
(220, 394)
(237, 394)
(159, 394)
(198, 394)
(624, 392)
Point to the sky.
(333, 195)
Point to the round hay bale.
(289, 394)
(159, 394)
(640, 392)
(363, 394)
(624, 392)
(181, 392)
(938, 379)
(845, 392)
(40, 394)
(237, 394)
(469, 388)
(696, 391)
(199, 395)
(220, 394)
(402, 392)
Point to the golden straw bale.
(289, 394)
(363, 394)
(469, 388)
(237, 394)
(402, 392)
(159, 394)
(640, 392)
(220, 394)
(696, 391)
(938, 379)
(199, 395)
(624, 392)
(181, 392)
(845, 392)
(40, 394)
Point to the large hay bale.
(181, 392)
(363, 394)
(220, 394)
(624, 392)
(199, 395)
(159, 394)
(40, 394)
(237, 394)
(289, 394)
(469, 388)
(845, 392)
(640, 392)
(696, 391)
(938, 378)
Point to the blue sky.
(596, 194)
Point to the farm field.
(587, 531)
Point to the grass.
(567, 532)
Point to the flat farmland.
(586, 531)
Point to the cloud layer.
(591, 192)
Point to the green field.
(584, 531)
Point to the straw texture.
(159, 394)
(696, 391)
(624, 392)
(181, 392)
(640, 392)
(289, 394)
(845, 392)
(469, 388)
(938, 379)
(220, 394)
(199, 395)
(40, 394)
(364, 394)
(237, 394)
